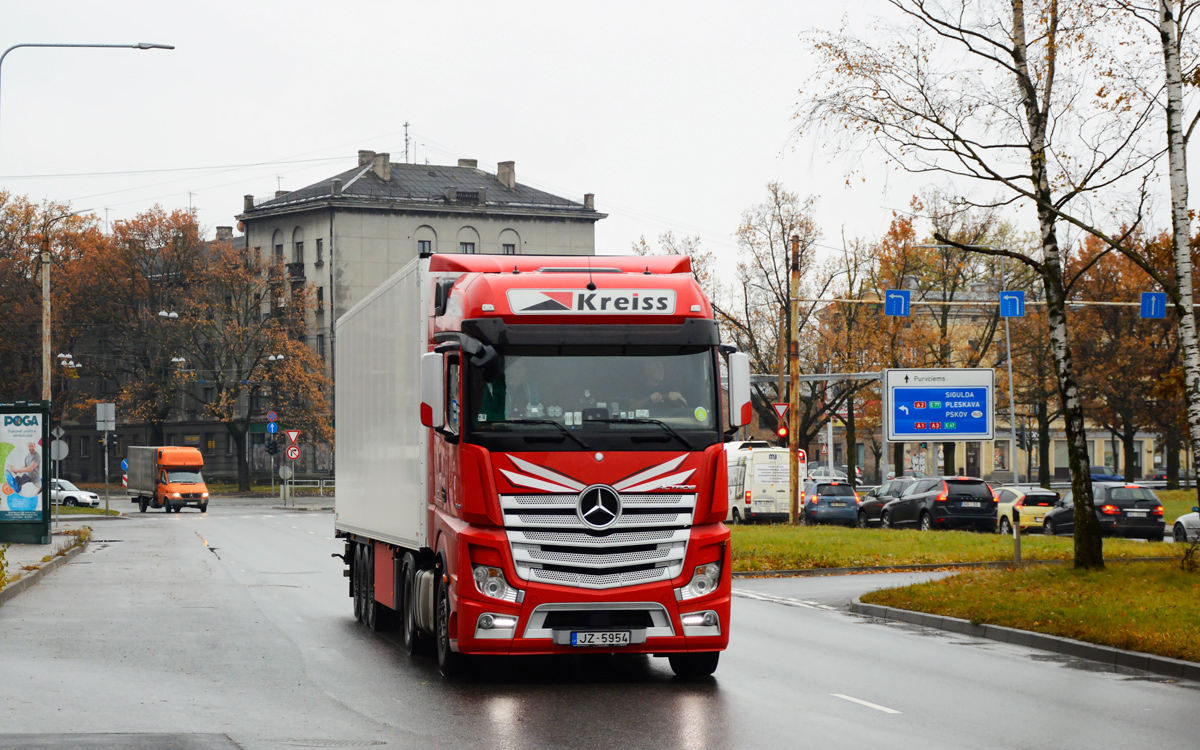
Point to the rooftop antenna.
(190, 194)
(406, 142)
(591, 285)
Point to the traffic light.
(924, 446)
(272, 447)
(782, 432)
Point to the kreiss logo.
(599, 302)
(21, 420)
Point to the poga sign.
(21, 457)
(598, 302)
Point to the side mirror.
(741, 411)
(1196, 508)
(433, 390)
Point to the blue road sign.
(125, 464)
(272, 416)
(896, 302)
(272, 427)
(935, 405)
(1012, 304)
(1154, 304)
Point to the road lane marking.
(786, 601)
(868, 704)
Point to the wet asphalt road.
(234, 630)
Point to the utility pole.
(794, 373)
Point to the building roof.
(424, 186)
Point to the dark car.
(871, 504)
(829, 502)
(1105, 474)
(943, 503)
(1122, 509)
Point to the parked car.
(823, 472)
(871, 504)
(941, 503)
(1122, 509)
(65, 493)
(911, 473)
(829, 502)
(845, 469)
(1106, 474)
(1160, 475)
(1029, 504)
(1187, 527)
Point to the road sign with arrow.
(933, 405)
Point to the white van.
(758, 486)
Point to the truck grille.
(550, 544)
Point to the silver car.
(1187, 527)
(65, 493)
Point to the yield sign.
(780, 409)
(292, 435)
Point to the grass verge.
(783, 547)
(69, 510)
(1148, 607)
(1176, 503)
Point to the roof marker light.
(489, 308)
(695, 308)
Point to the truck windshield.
(631, 398)
(184, 477)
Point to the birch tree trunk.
(1180, 226)
(1089, 550)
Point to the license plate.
(764, 507)
(1136, 513)
(602, 638)
(972, 504)
(837, 505)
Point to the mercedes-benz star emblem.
(599, 506)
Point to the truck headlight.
(175, 495)
(490, 581)
(203, 494)
(704, 581)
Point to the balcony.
(296, 271)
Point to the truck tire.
(356, 578)
(204, 508)
(450, 664)
(414, 642)
(142, 504)
(694, 666)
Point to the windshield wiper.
(646, 420)
(561, 429)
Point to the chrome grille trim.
(661, 621)
(550, 544)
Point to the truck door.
(445, 456)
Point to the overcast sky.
(675, 114)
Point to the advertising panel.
(24, 492)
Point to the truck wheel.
(204, 508)
(408, 607)
(693, 666)
(450, 664)
(370, 616)
(356, 577)
(142, 505)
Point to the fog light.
(693, 619)
(710, 619)
(505, 622)
(486, 622)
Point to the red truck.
(530, 458)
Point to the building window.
(510, 249)
(85, 446)
(210, 394)
(466, 247)
(230, 444)
(321, 345)
(279, 253)
(424, 247)
(210, 443)
(298, 254)
(320, 251)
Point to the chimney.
(281, 193)
(451, 194)
(335, 187)
(472, 163)
(381, 165)
(589, 201)
(224, 233)
(365, 157)
(506, 173)
(247, 202)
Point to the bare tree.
(1000, 93)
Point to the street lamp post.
(139, 45)
(46, 301)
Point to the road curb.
(33, 576)
(303, 508)
(926, 566)
(1162, 665)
